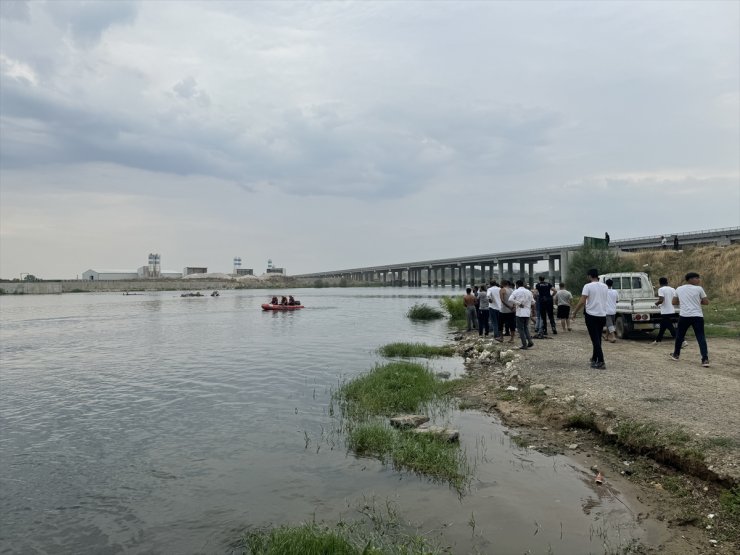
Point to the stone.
(444, 375)
(610, 412)
(512, 388)
(405, 421)
(538, 387)
(573, 446)
(448, 434)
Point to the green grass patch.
(416, 350)
(371, 439)
(397, 387)
(581, 420)
(378, 531)
(648, 437)
(421, 453)
(720, 442)
(306, 539)
(424, 312)
(730, 502)
(432, 456)
(675, 485)
(455, 310)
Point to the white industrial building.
(110, 275)
(152, 270)
(103, 275)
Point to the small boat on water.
(286, 303)
(269, 306)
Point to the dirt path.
(641, 384)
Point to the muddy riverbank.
(670, 429)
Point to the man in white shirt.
(690, 297)
(522, 300)
(611, 312)
(667, 311)
(594, 297)
(494, 309)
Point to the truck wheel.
(623, 328)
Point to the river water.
(151, 423)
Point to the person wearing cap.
(690, 297)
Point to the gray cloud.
(87, 20)
(15, 10)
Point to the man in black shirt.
(545, 290)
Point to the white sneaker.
(684, 344)
(655, 343)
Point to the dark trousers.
(493, 315)
(665, 324)
(522, 325)
(696, 322)
(595, 324)
(482, 321)
(545, 314)
(507, 322)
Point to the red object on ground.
(268, 306)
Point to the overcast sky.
(343, 134)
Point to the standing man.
(483, 316)
(665, 302)
(611, 312)
(494, 309)
(690, 297)
(675, 244)
(564, 298)
(607, 239)
(663, 242)
(522, 300)
(594, 297)
(508, 318)
(545, 291)
(470, 310)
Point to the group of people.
(285, 301)
(506, 309)
(595, 302)
(664, 242)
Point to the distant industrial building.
(189, 270)
(151, 271)
(238, 270)
(104, 275)
(271, 269)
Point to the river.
(151, 423)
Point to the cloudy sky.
(329, 135)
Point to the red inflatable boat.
(268, 306)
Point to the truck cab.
(636, 309)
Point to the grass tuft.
(424, 312)
(582, 420)
(416, 350)
(397, 387)
(455, 310)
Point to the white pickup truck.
(636, 310)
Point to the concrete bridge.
(513, 264)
